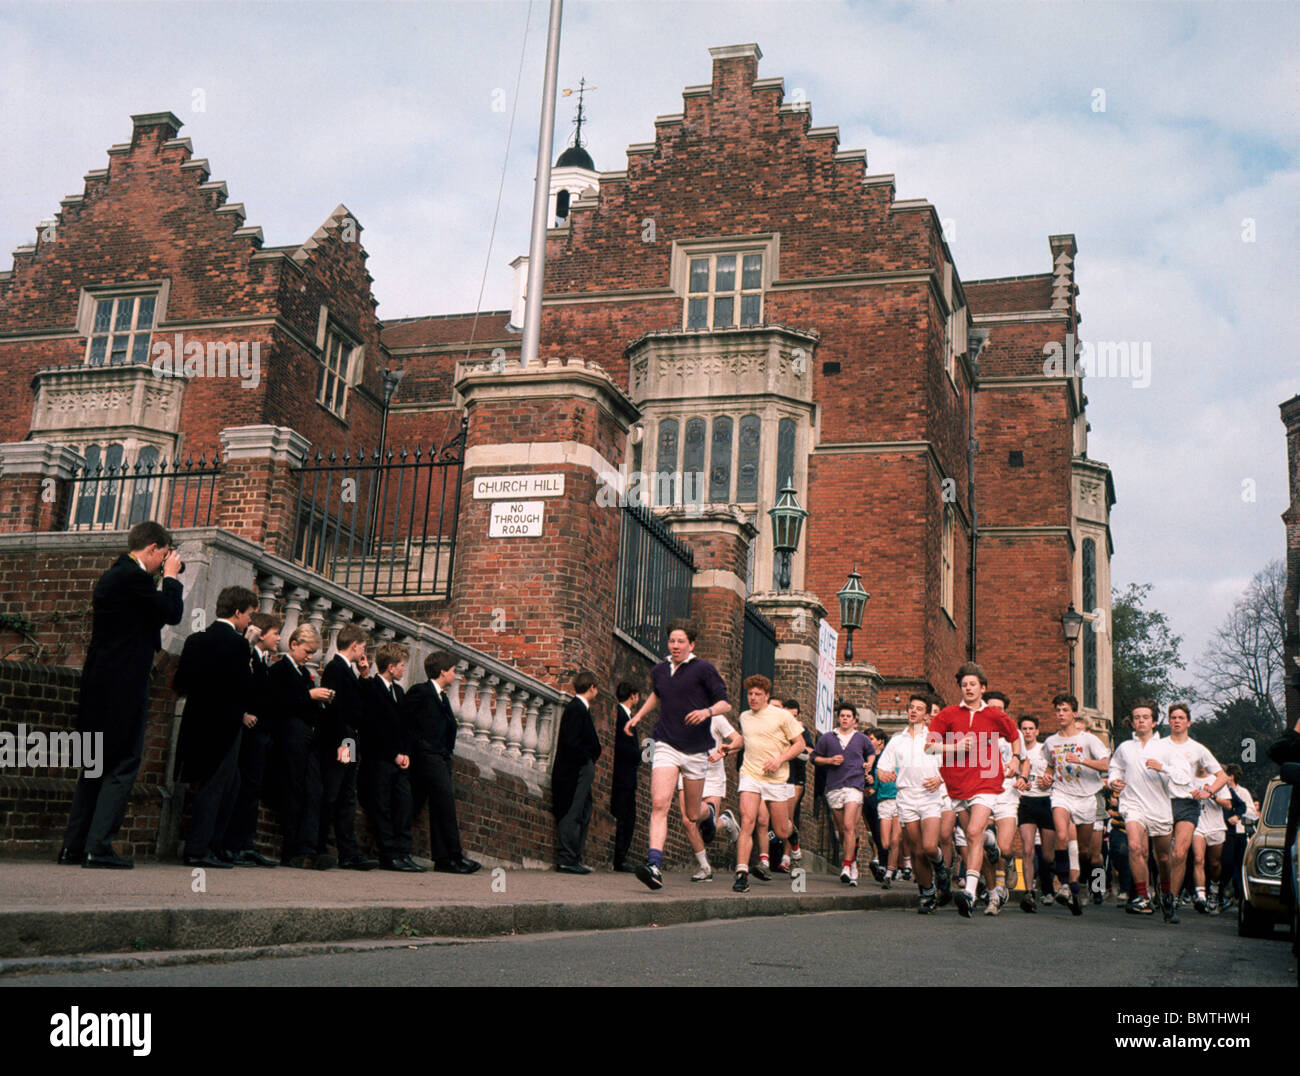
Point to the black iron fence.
(654, 579)
(758, 650)
(382, 524)
(107, 494)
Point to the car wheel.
(1250, 924)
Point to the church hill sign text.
(517, 518)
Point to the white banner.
(827, 642)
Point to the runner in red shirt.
(967, 736)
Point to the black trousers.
(99, 803)
(622, 805)
(300, 819)
(431, 781)
(571, 827)
(871, 815)
(338, 806)
(214, 802)
(386, 796)
(254, 755)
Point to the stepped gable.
(740, 159)
(154, 211)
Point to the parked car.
(1263, 905)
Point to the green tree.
(1241, 732)
(1146, 654)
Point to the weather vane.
(583, 88)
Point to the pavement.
(54, 917)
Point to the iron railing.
(758, 649)
(118, 496)
(383, 525)
(654, 579)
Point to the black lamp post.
(787, 522)
(391, 380)
(1072, 625)
(853, 602)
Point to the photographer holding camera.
(129, 610)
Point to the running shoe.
(853, 873)
(995, 904)
(981, 892)
(877, 871)
(886, 882)
(1198, 902)
(704, 874)
(650, 875)
(1003, 896)
(963, 901)
(741, 884)
(1167, 908)
(708, 826)
(1076, 905)
(1062, 896)
(1013, 873)
(1139, 906)
(1121, 898)
(846, 875)
(1171, 915)
(796, 853)
(1213, 900)
(905, 874)
(943, 883)
(728, 824)
(926, 905)
(1028, 903)
(762, 873)
(783, 866)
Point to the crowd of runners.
(950, 793)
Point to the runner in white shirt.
(726, 740)
(947, 827)
(1034, 815)
(1184, 756)
(920, 800)
(1143, 801)
(1207, 844)
(1076, 761)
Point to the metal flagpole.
(542, 193)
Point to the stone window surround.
(328, 329)
(91, 294)
(766, 243)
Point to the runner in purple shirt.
(688, 692)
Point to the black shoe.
(573, 868)
(1028, 903)
(358, 863)
(1076, 905)
(224, 856)
(624, 868)
(1098, 898)
(208, 862)
(251, 858)
(927, 905)
(762, 873)
(456, 866)
(708, 827)
(323, 862)
(963, 901)
(650, 875)
(741, 884)
(69, 858)
(1198, 902)
(112, 861)
(402, 863)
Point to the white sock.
(702, 858)
(972, 882)
(1072, 851)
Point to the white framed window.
(119, 485)
(340, 364)
(722, 281)
(120, 327)
(946, 560)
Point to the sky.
(1164, 136)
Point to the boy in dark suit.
(129, 612)
(627, 761)
(215, 674)
(385, 790)
(338, 740)
(572, 776)
(299, 705)
(431, 732)
(236, 846)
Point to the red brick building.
(773, 312)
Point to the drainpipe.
(975, 347)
